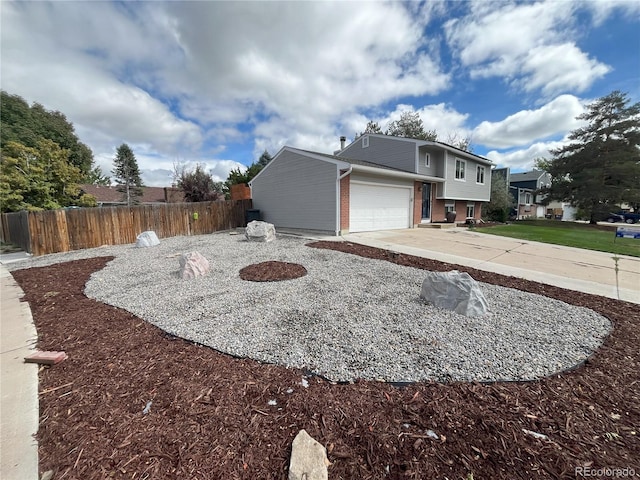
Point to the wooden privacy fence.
(54, 231)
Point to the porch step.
(437, 225)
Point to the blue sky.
(219, 82)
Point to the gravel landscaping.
(348, 318)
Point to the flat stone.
(46, 358)
(308, 459)
(456, 291)
(258, 231)
(193, 265)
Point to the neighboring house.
(523, 187)
(378, 182)
(108, 196)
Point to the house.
(523, 187)
(109, 196)
(378, 182)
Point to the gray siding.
(436, 168)
(296, 191)
(388, 151)
(467, 189)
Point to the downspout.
(340, 177)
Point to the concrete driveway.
(572, 268)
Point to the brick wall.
(417, 203)
(437, 210)
(344, 202)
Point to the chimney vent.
(343, 139)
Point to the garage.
(379, 207)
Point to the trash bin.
(451, 217)
(252, 214)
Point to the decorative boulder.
(147, 239)
(193, 265)
(308, 459)
(456, 291)
(258, 231)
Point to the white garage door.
(378, 207)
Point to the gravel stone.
(350, 317)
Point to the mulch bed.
(272, 271)
(210, 418)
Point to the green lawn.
(579, 235)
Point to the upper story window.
(365, 142)
(460, 167)
(480, 174)
(527, 198)
(427, 160)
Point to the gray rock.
(258, 231)
(193, 265)
(308, 459)
(147, 239)
(456, 291)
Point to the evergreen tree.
(237, 176)
(601, 166)
(127, 175)
(372, 127)
(97, 177)
(501, 202)
(410, 126)
(264, 159)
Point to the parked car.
(626, 217)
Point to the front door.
(426, 202)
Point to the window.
(449, 207)
(460, 165)
(527, 198)
(427, 159)
(365, 142)
(480, 174)
(471, 210)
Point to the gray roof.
(527, 176)
(353, 161)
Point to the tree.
(601, 166)
(372, 127)
(410, 126)
(97, 177)
(264, 159)
(459, 140)
(37, 178)
(28, 125)
(501, 202)
(198, 185)
(127, 175)
(237, 176)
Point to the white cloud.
(602, 10)
(530, 45)
(183, 77)
(524, 127)
(523, 159)
(555, 68)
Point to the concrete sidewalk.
(572, 268)
(19, 413)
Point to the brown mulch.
(210, 418)
(272, 271)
